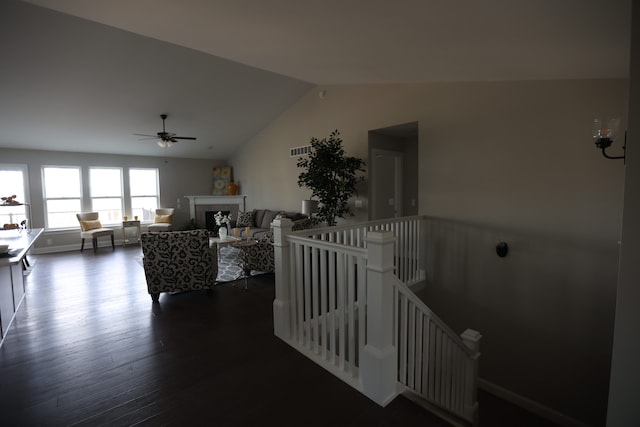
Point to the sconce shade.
(603, 134)
(600, 130)
(309, 207)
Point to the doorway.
(393, 171)
(386, 200)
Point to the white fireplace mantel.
(215, 200)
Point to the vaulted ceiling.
(79, 75)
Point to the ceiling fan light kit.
(165, 144)
(165, 139)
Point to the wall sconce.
(604, 134)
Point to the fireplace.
(200, 205)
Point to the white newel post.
(282, 303)
(472, 339)
(378, 361)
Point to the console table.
(12, 289)
(133, 224)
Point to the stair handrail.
(357, 241)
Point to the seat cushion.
(160, 227)
(96, 232)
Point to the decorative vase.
(222, 232)
(233, 188)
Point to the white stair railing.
(408, 253)
(342, 300)
(433, 362)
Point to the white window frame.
(46, 198)
(132, 196)
(15, 214)
(104, 219)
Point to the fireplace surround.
(199, 205)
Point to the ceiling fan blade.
(165, 139)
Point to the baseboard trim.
(435, 410)
(72, 248)
(529, 405)
(54, 249)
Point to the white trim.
(529, 405)
(215, 200)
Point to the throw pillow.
(90, 225)
(245, 219)
(269, 216)
(258, 215)
(162, 219)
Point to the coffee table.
(243, 245)
(222, 241)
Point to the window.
(63, 196)
(13, 181)
(105, 185)
(145, 194)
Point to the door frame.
(397, 187)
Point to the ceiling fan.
(165, 139)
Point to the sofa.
(178, 261)
(259, 221)
(260, 257)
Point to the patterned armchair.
(261, 257)
(178, 261)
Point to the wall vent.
(299, 151)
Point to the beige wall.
(178, 178)
(507, 161)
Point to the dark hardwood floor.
(88, 347)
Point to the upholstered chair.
(260, 257)
(178, 261)
(91, 228)
(162, 220)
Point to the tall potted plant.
(331, 176)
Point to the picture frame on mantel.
(221, 180)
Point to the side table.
(127, 224)
(220, 242)
(244, 256)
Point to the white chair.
(91, 228)
(162, 220)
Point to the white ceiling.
(88, 78)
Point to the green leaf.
(331, 176)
